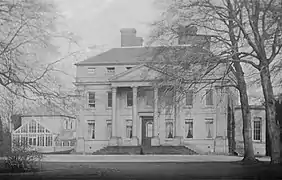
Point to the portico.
(137, 119)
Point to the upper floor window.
(110, 70)
(91, 70)
(91, 99)
(189, 98)
(110, 99)
(149, 97)
(209, 97)
(257, 129)
(129, 98)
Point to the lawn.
(189, 170)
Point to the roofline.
(47, 116)
(108, 63)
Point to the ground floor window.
(257, 129)
(188, 128)
(169, 129)
(209, 127)
(128, 128)
(109, 129)
(91, 129)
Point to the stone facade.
(148, 113)
(140, 113)
(258, 129)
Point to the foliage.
(22, 158)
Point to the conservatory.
(34, 134)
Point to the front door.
(147, 130)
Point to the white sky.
(98, 23)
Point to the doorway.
(147, 130)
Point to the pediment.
(138, 73)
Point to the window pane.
(32, 127)
(129, 129)
(149, 97)
(149, 129)
(257, 129)
(129, 98)
(209, 128)
(109, 130)
(189, 98)
(189, 128)
(91, 130)
(169, 130)
(209, 97)
(109, 99)
(91, 99)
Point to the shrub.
(22, 158)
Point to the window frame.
(207, 92)
(91, 123)
(111, 70)
(127, 92)
(191, 92)
(210, 121)
(109, 122)
(88, 99)
(255, 120)
(91, 70)
(187, 121)
(169, 121)
(128, 123)
(109, 100)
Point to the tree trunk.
(272, 124)
(246, 115)
(231, 128)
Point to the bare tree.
(244, 32)
(29, 57)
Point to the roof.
(133, 55)
(50, 109)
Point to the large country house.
(121, 107)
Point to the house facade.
(47, 128)
(258, 129)
(119, 105)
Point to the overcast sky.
(98, 23)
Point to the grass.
(190, 170)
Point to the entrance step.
(136, 150)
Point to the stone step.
(127, 150)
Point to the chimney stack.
(129, 39)
(187, 35)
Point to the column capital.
(114, 89)
(134, 87)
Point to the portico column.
(114, 141)
(156, 140)
(114, 111)
(134, 116)
(156, 122)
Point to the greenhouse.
(33, 134)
